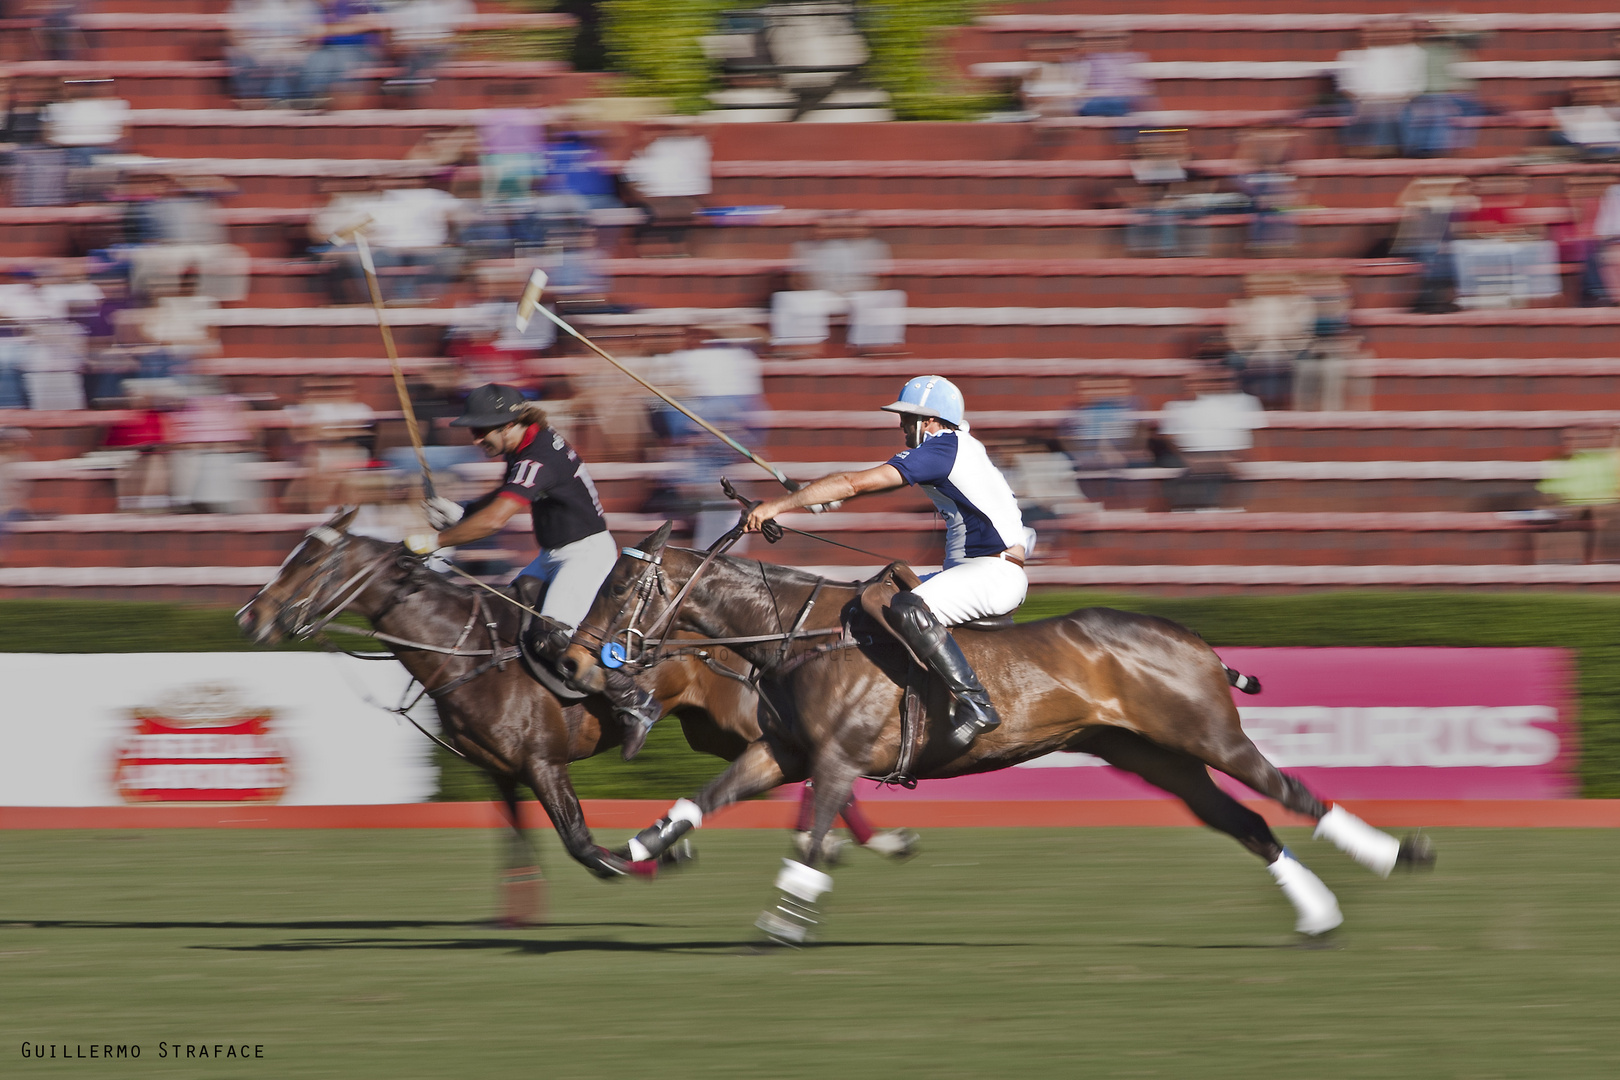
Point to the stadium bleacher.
(1012, 257)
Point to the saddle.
(921, 685)
(533, 647)
(898, 577)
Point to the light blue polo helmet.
(930, 395)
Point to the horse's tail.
(1247, 684)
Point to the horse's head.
(632, 599)
(315, 582)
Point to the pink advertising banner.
(1359, 724)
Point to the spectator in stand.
(347, 43)
(839, 271)
(142, 482)
(1209, 433)
(1503, 258)
(1377, 81)
(1589, 126)
(14, 458)
(1170, 197)
(86, 125)
(336, 433)
(268, 44)
(1107, 72)
(1433, 124)
(212, 460)
(1054, 85)
(1600, 276)
(1272, 190)
(1577, 238)
(410, 236)
(1429, 207)
(421, 37)
(719, 373)
(669, 176)
(1325, 381)
(1583, 488)
(1267, 332)
(1103, 436)
(183, 232)
(37, 170)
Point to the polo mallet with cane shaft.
(530, 303)
(356, 233)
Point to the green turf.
(995, 953)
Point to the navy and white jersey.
(981, 513)
(547, 474)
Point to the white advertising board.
(294, 728)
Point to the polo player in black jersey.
(545, 476)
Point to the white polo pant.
(974, 589)
(572, 574)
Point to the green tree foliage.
(907, 39)
(655, 44)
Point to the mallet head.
(530, 299)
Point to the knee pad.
(911, 618)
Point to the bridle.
(308, 617)
(300, 618)
(624, 643)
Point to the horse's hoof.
(896, 844)
(679, 855)
(1416, 853)
(781, 931)
(832, 849)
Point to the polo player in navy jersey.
(986, 541)
(545, 476)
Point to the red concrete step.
(182, 83)
(864, 432)
(1293, 539)
(1213, 135)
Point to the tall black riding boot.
(933, 644)
(636, 709)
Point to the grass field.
(995, 953)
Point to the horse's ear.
(343, 518)
(654, 541)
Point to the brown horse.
(460, 644)
(1145, 694)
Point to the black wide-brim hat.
(491, 406)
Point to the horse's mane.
(417, 576)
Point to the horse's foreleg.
(756, 770)
(1184, 776)
(523, 885)
(897, 844)
(556, 793)
(795, 915)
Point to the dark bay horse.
(460, 643)
(1143, 693)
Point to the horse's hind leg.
(1373, 848)
(523, 886)
(898, 844)
(1188, 779)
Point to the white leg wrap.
(1317, 907)
(802, 882)
(1372, 848)
(638, 850)
(686, 810)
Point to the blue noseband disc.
(613, 655)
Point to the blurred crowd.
(129, 321)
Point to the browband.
(637, 553)
(326, 535)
